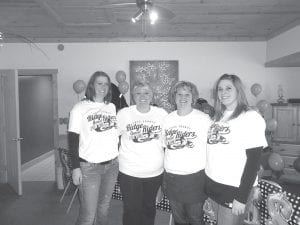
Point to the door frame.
(53, 74)
(37, 72)
(11, 131)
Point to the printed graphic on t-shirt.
(179, 137)
(217, 134)
(101, 122)
(143, 131)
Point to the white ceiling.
(110, 20)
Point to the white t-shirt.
(96, 125)
(227, 144)
(185, 141)
(141, 151)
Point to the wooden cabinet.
(288, 120)
(286, 138)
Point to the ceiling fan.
(149, 8)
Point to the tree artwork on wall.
(160, 74)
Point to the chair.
(65, 159)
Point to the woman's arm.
(248, 177)
(73, 139)
(250, 173)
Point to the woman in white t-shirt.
(141, 156)
(185, 134)
(93, 142)
(234, 145)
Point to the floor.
(42, 171)
(39, 204)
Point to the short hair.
(140, 84)
(242, 102)
(90, 89)
(185, 85)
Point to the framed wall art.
(160, 74)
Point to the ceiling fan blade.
(121, 4)
(164, 13)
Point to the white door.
(12, 129)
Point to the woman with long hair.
(93, 142)
(234, 145)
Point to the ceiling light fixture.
(145, 8)
(137, 16)
(153, 16)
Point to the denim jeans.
(139, 199)
(187, 213)
(221, 214)
(95, 192)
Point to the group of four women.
(200, 163)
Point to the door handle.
(17, 139)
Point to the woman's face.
(227, 94)
(101, 86)
(142, 96)
(184, 98)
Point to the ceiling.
(110, 20)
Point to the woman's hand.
(77, 176)
(238, 208)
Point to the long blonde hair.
(242, 102)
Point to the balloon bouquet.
(274, 160)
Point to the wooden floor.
(41, 171)
(39, 204)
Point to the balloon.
(79, 86)
(297, 164)
(262, 105)
(120, 76)
(271, 124)
(123, 87)
(256, 89)
(276, 162)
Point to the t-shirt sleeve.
(254, 131)
(120, 121)
(75, 120)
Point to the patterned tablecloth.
(274, 205)
(161, 204)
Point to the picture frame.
(160, 74)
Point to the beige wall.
(284, 44)
(199, 62)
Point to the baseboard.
(36, 160)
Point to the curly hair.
(185, 85)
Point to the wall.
(199, 62)
(284, 44)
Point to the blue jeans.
(221, 214)
(95, 192)
(139, 199)
(187, 213)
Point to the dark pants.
(187, 213)
(139, 199)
